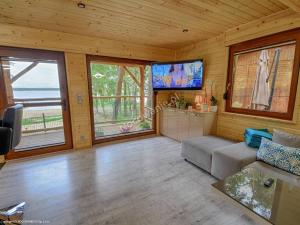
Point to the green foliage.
(39, 119)
(104, 83)
(213, 101)
(145, 125)
(181, 103)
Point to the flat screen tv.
(183, 75)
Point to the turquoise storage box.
(253, 137)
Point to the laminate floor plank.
(142, 182)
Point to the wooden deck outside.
(41, 139)
(37, 140)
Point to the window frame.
(40, 54)
(116, 61)
(279, 38)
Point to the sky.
(44, 75)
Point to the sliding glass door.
(121, 97)
(37, 80)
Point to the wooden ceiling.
(151, 22)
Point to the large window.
(263, 75)
(36, 79)
(121, 97)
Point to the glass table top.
(277, 204)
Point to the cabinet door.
(196, 124)
(172, 124)
(163, 122)
(209, 124)
(183, 125)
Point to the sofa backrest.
(12, 118)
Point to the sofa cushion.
(286, 139)
(275, 172)
(283, 157)
(230, 159)
(199, 150)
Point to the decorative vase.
(198, 106)
(214, 108)
(205, 107)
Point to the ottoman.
(198, 150)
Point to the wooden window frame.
(116, 61)
(279, 38)
(41, 55)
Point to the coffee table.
(278, 204)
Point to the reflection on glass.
(262, 78)
(248, 188)
(278, 204)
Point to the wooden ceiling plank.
(278, 4)
(170, 14)
(52, 40)
(254, 6)
(189, 21)
(145, 36)
(149, 22)
(201, 14)
(218, 7)
(243, 7)
(195, 2)
(263, 26)
(207, 15)
(52, 14)
(292, 4)
(263, 5)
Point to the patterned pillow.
(286, 158)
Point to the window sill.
(270, 119)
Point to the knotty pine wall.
(76, 47)
(214, 51)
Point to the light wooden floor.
(144, 182)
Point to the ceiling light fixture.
(81, 5)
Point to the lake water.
(38, 93)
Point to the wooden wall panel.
(18, 36)
(76, 47)
(281, 21)
(79, 99)
(215, 55)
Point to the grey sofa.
(221, 158)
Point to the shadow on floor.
(1, 165)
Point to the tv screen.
(177, 75)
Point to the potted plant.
(213, 104)
(126, 127)
(181, 103)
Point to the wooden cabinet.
(182, 124)
(196, 125)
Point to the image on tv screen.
(186, 75)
